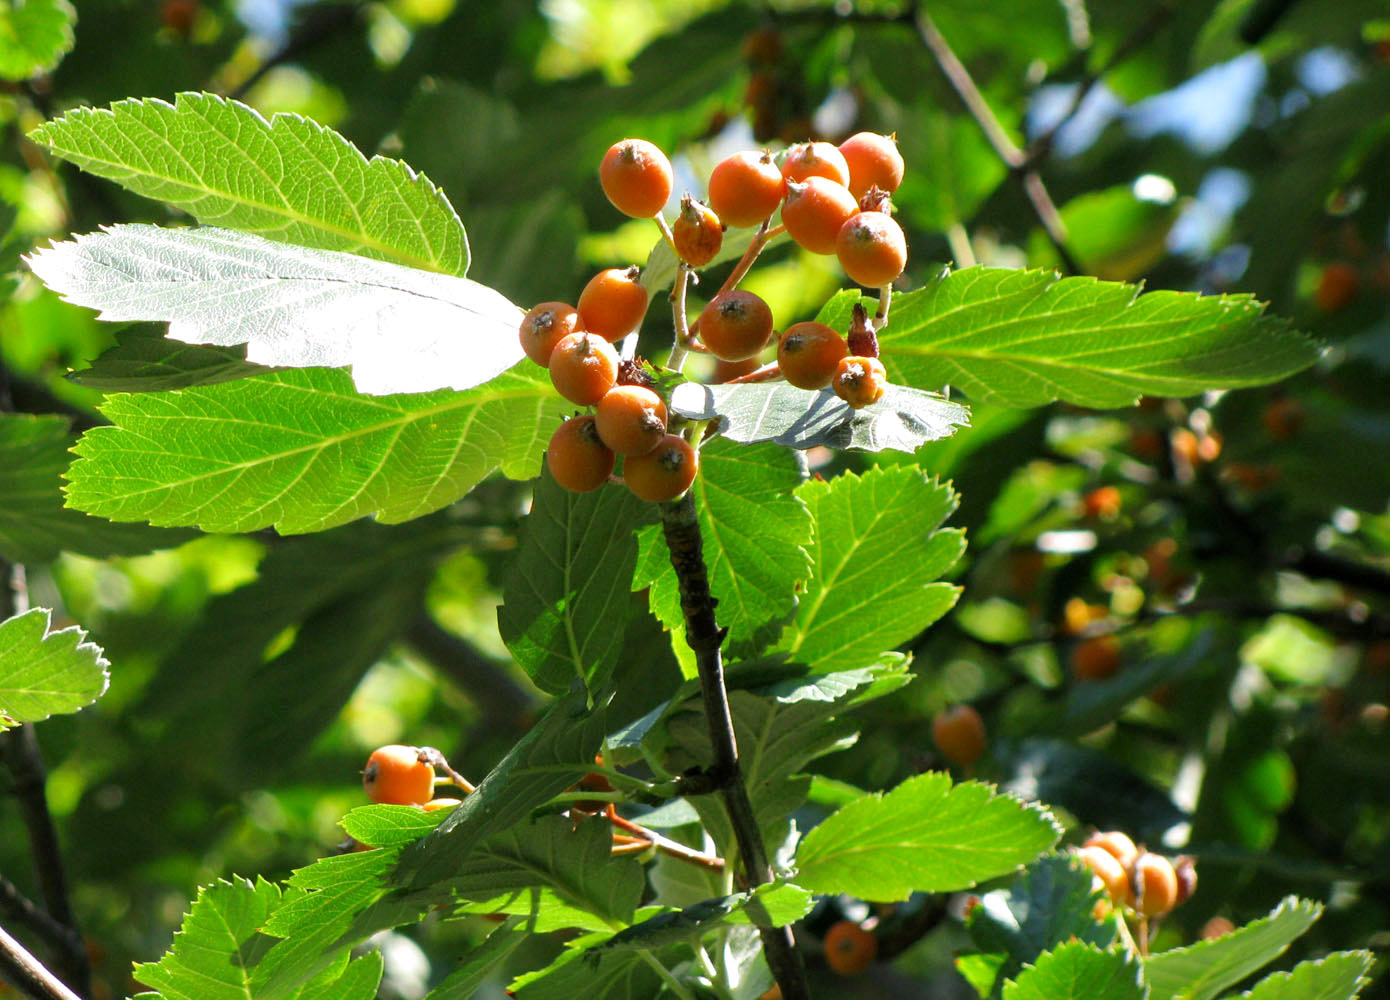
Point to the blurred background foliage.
(1176, 619)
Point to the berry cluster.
(1148, 884)
(833, 200)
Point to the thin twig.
(19, 909)
(321, 24)
(681, 526)
(28, 974)
(664, 844)
(1004, 147)
(676, 361)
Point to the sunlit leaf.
(1077, 971)
(301, 451)
(288, 178)
(44, 672)
(34, 36)
(400, 328)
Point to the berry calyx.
(697, 233)
(583, 367)
(809, 353)
(395, 775)
(1154, 883)
(613, 302)
(746, 188)
(577, 457)
(663, 473)
(814, 212)
(736, 325)
(871, 248)
(815, 159)
(631, 419)
(874, 161)
(849, 948)
(859, 381)
(959, 735)
(637, 178)
(544, 327)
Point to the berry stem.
(761, 239)
(769, 372)
(680, 525)
(678, 351)
(885, 299)
(666, 233)
(665, 845)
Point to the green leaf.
(565, 598)
(34, 36)
(1079, 971)
(480, 964)
(34, 525)
(903, 420)
(618, 975)
(753, 530)
(44, 673)
(780, 728)
(574, 859)
(557, 751)
(400, 328)
(924, 836)
(219, 942)
(1049, 904)
(1339, 976)
(300, 451)
(768, 905)
(1026, 338)
(147, 362)
(389, 826)
(288, 178)
(877, 550)
(1201, 971)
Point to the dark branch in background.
(1324, 566)
(27, 974)
(19, 909)
(1019, 166)
(681, 525)
(1041, 147)
(320, 23)
(485, 681)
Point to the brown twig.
(28, 974)
(681, 526)
(500, 699)
(667, 846)
(1004, 147)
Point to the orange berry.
(859, 381)
(1154, 883)
(736, 325)
(395, 775)
(871, 248)
(544, 327)
(1102, 503)
(1283, 418)
(663, 473)
(1216, 927)
(1337, 286)
(697, 233)
(1096, 658)
(815, 211)
(583, 367)
(746, 188)
(1108, 872)
(577, 457)
(631, 419)
(809, 353)
(815, 159)
(874, 161)
(959, 734)
(637, 177)
(1116, 844)
(613, 302)
(178, 15)
(727, 371)
(849, 948)
(443, 802)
